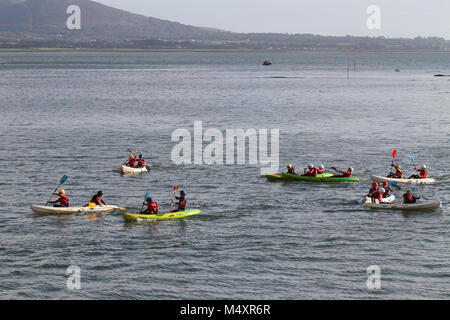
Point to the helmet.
(131, 156)
(183, 193)
(375, 184)
(62, 191)
(350, 169)
(385, 183)
(424, 167)
(409, 190)
(382, 190)
(140, 156)
(100, 193)
(289, 165)
(322, 166)
(310, 166)
(397, 167)
(149, 200)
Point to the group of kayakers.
(399, 173)
(313, 171)
(135, 163)
(97, 200)
(379, 193)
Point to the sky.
(398, 18)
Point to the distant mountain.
(42, 23)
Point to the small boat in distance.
(267, 62)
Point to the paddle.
(412, 160)
(173, 198)
(394, 154)
(145, 199)
(61, 182)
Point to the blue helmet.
(183, 193)
(149, 200)
(140, 156)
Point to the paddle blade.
(176, 188)
(394, 153)
(63, 179)
(147, 195)
(411, 158)
(393, 183)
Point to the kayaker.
(97, 199)
(422, 173)
(321, 169)
(311, 171)
(398, 172)
(152, 207)
(131, 161)
(373, 189)
(408, 197)
(291, 169)
(387, 189)
(182, 201)
(63, 199)
(141, 161)
(377, 195)
(345, 174)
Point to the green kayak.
(325, 177)
(161, 216)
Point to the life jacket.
(141, 162)
(312, 172)
(409, 198)
(96, 199)
(292, 170)
(63, 200)
(372, 190)
(422, 173)
(152, 207)
(132, 162)
(377, 195)
(387, 192)
(347, 174)
(398, 173)
(182, 203)
(320, 171)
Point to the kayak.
(389, 199)
(325, 177)
(428, 205)
(406, 181)
(161, 216)
(129, 170)
(71, 210)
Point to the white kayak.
(406, 181)
(71, 210)
(130, 170)
(389, 199)
(426, 206)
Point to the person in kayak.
(408, 197)
(291, 169)
(152, 207)
(182, 201)
(344, 174)
(387, 190)
(373, 189)
(398, 172)
(141, 161)
(63, 199)
(422, 173)
(131, 161)
(321, 169)
(377, 195)
(311, 171)
(97, 199)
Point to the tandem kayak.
(325, 177)
(389, 199)
(426, 206)
(129, 170)
(161, 216)
(405, 181)
(71, 210)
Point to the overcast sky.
(399, 18)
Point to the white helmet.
(322, 166)
(310, 166)
(424, 167)
(350, 169)
(382, 190)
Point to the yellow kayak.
(161, 216)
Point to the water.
(77, 113)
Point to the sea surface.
(77, 113)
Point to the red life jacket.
(141, 162)
(152, 207)
(372, 190)
(387, 191)
(422, 173)
(97, 199)
(409, 198)
(132, 162)
(320, 171)
(377, 195)
(182, 204)
(63, 200)
(292, 170)
(312, 172)
(347, 174)
(398, 173)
